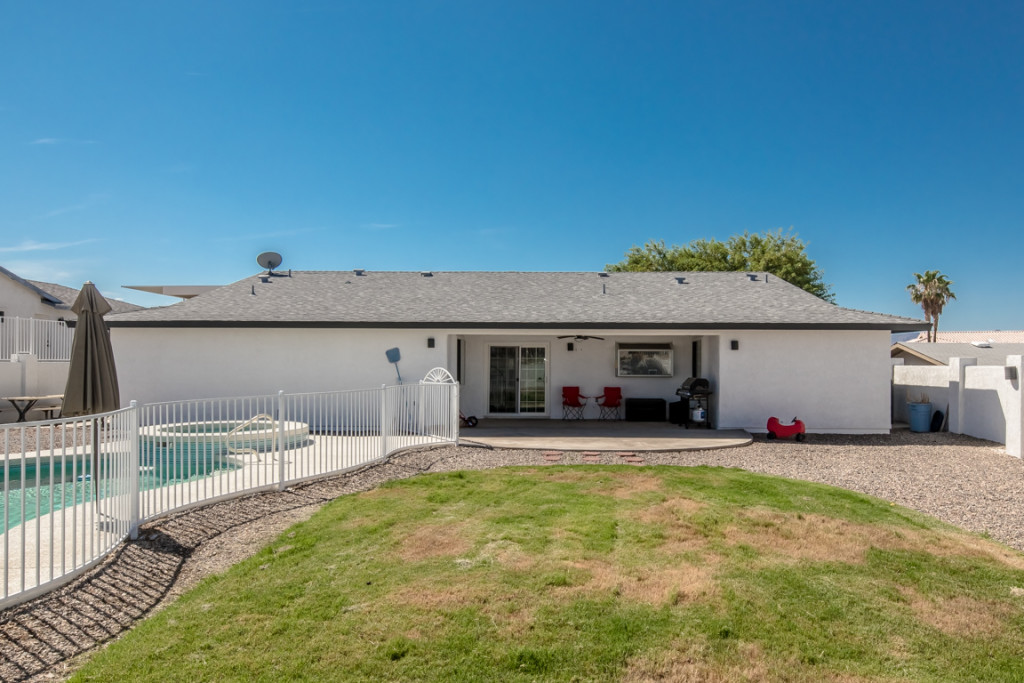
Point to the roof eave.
(336, 324)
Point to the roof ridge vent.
(680, 279)
(426, 273)
(603, 274)
(752, 276)
(359, 271)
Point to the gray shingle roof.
(67, 296)
(941, 353)
(512, 299)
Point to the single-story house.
(514, 339)
(939, 354)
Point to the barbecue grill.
(694, 387)
(692, 408)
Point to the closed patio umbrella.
(92, 378)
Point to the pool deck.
(597, 435)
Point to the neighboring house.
(21, 298)
(991, 336)
(67, 295)
(34, 345)
(513, 339)
(941, 353)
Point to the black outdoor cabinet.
(645, 409)
(678, 412)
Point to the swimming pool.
(171, 453)
(52, 486)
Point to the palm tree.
(931, 291)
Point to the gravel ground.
(967, 482)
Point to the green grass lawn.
(597, 573)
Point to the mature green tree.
(931, 292)
(783, 255)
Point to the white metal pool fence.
(64, 510)
(47, 340)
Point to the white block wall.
(982, 401)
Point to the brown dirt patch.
(434, 597)
(672, 510)
(647, 584)
(960, 615)
(435, 540)
(506, 553)
(673, 518)
(810, 537)
(959, 544)
(617, 485)
(689, 662)
(511, 612)
(825, 539)
(629, 484)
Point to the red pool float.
(777, 430)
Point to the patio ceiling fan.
(579, 337)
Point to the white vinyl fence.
(47, 340)
(64, 510)
(984, 401)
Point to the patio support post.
(281, 415)
(134, 471)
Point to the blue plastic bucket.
(920, 416)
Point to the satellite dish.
(269, 260)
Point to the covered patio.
(599, 435)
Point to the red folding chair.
(610, 402)
(572, 406)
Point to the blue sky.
(171, 142)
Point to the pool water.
(63, 487)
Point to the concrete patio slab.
(594, 435)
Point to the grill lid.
(694, 386)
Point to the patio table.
(23, 404)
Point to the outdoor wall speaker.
(734, 345)
(430, 342)
(1011, 372)
(570, 347)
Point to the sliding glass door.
(517, 380)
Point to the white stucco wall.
(166, 365)
(835, 381)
